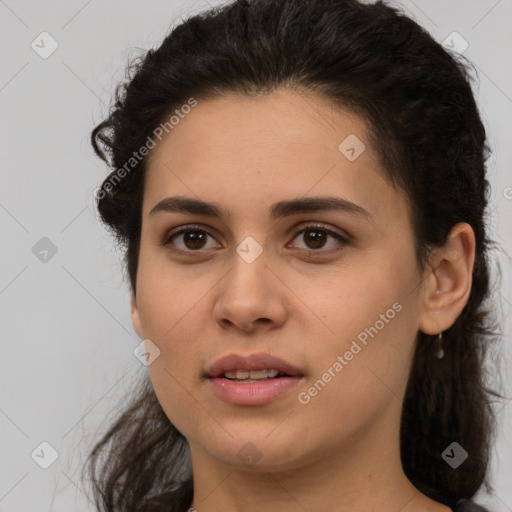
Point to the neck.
(364, 474)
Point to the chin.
(259, 453)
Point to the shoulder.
(464, 505)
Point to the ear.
(136, 317)
(448, 283)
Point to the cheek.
(171, 317)
(359, 374)
(368, 337)
(353, 298)
(171, 314)
(165, 297)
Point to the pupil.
(194, 237)
(317, 238)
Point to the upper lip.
(258, 361)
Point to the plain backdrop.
(66, 336)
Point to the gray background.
(67, 341)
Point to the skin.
(340, 451)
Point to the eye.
(316, 236)
(193, 238)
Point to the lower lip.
(252, 393)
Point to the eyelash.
(196, 228)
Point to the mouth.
(255, 367)
(255, 375)
(252, 380)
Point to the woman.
(300, 187)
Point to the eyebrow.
(278, 210)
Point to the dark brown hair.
(425, 125)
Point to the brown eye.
(189, 239)
(194, 239)
(315, 238)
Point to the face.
(335, 293)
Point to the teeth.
(253, 374)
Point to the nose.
(250, 295)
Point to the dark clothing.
(468, 506)
(161, 504)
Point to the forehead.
(242, 150)
(284, 123)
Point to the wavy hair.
(417, 100)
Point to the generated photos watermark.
(143, 151)
(341, 361)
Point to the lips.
(260, 379)
(253, 362)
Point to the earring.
(440, 351)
